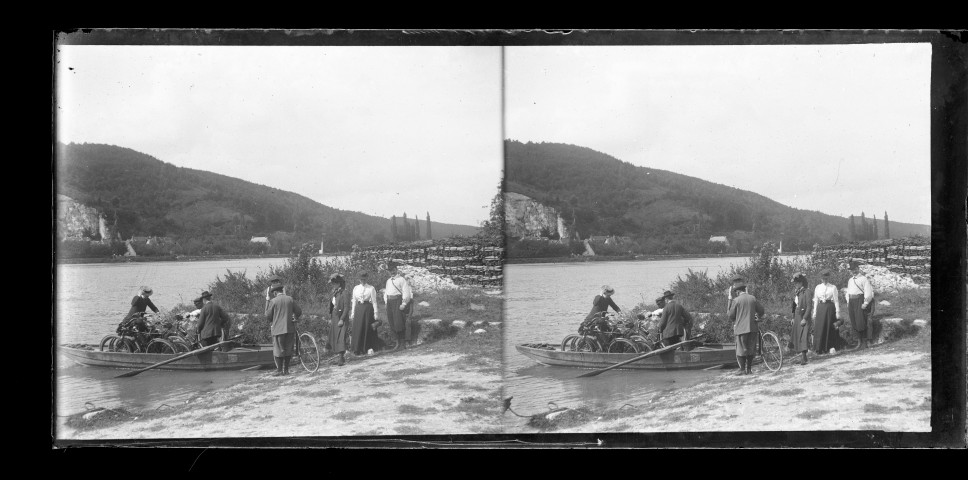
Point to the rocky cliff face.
(75, 220)
(525, 217)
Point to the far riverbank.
(177, 258)
(625, 258)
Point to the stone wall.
(910, 256)
(465, 262)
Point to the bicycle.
(307, 351)
(137, 334)
(615, 337)
(768, 348)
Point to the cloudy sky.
(379, 130)
(835, 128)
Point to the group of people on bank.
(354, 316)
(814, 311)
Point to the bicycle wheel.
(125, 345)
(622, 345)
(180, 343)
(161, 345)
(770, 351)
(587, 344)
(568, 344)
(107, 343)
(308, 352)
(644, 345)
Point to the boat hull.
(236, 359)
(708, 355)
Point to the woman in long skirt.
(339, 316)
(801, 317)
(826, 310)
(364, 312)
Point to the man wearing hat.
(741, 313)
(282, 313)
(730, 292)
(273, 281)
(676, 323)
(860, 296)
(213, 322)
(397, 297)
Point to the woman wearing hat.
(600, 306)
(339, 314)
(140, 303)
(801, 317)
(364, 311)
(826, 311)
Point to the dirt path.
(886, 388)
(413, 392)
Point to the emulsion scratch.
(838, 171)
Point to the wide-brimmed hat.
(335, 278)
(853, 265)
(206, 294)
(737, 279)
(739, 286)
(145, 290)
(276, 288)
(659, 300)
(197, 300)
(668, 294)
(797, 276)
(274, 278)
(607, 289)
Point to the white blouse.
(825, 292)
(364, 293)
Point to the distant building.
(264, 240)
(722, 240)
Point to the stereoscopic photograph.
(509, 239)
(276, 241)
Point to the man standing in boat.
(213, 323)
(744, 312)
(676, 322)
(282, 313)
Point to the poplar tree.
(887, 226)
(853, 229)
(875, 227)
(393, 228)
(416, 223)
(431, 237)
(406, 228)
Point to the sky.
(378, 130)
(840, 129)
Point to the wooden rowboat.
(705, 356)
(246, 356)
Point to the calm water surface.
(545, 302)
(90, 301)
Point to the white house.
(722, 240)
(264, 240)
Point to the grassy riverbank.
(450, 386)
(171, 258)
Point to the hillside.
(149, 197)
(601, 195)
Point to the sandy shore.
(425, 390)
(884, 388)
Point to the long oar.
(640, 357)
(184, 355)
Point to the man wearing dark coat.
(676, 322)
(282, 313)
(743, 313)
(213, 322)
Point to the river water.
(545, 302)
(90, 301)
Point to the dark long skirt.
(859, 317)
(337, 335)
(364, 337)
(396, 317)
(825, 334)
(746, 344)
(282, 344)
(801, 334)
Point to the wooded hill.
(149, 197)
(660, 209)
